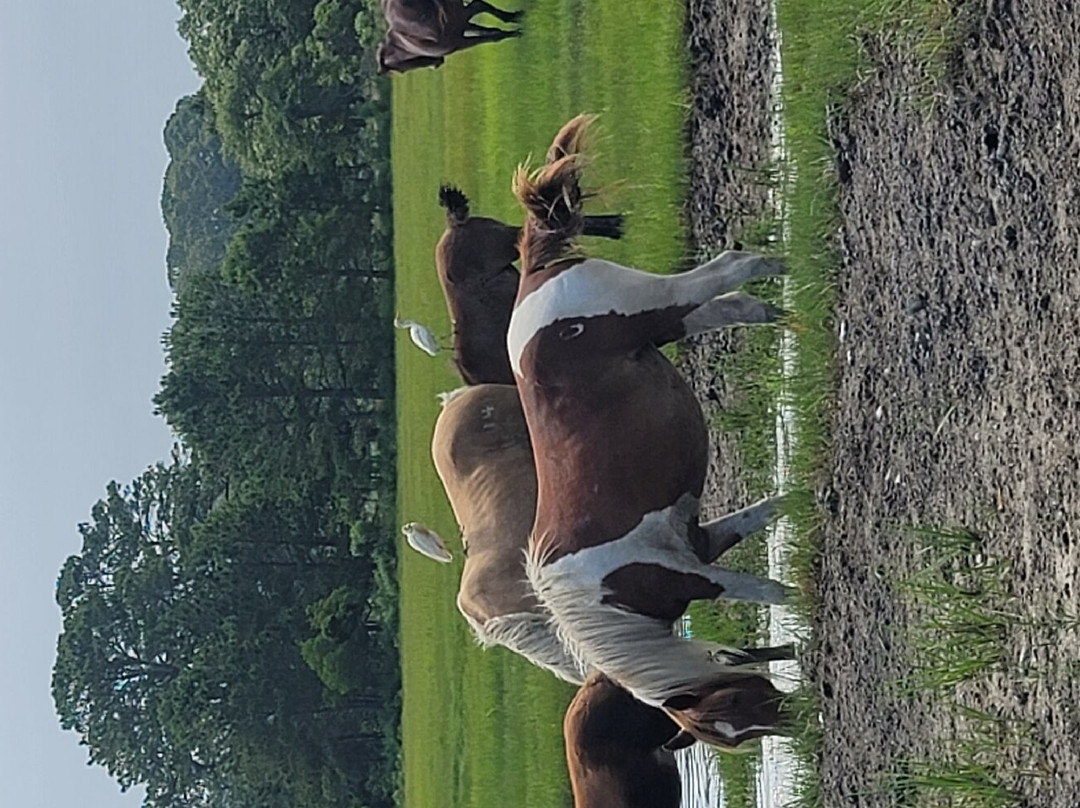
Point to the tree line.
(230, 623)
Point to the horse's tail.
(552, 198)
(456, 204)
(604, 225)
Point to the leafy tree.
(211, 594)
(199, 183)
(180, 659)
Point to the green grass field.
(483, 728)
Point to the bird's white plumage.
(420, 335)
(426, 542)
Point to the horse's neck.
(493, 581)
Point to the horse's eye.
(571, 331)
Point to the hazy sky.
(85, 89)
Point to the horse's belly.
(605, 460)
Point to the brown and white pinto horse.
(620, 446)
(474, 260)
(484, 458)
(423, 32)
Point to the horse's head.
(730, 711)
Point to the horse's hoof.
(774, 313)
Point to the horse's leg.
(734, 308)
(485, 34)
(768, 653)
(480, 6)
(744, 586)
(684, 578)
(735, 657)
(722, 274)
(720, 535)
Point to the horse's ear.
(682, 701)
(682, 740)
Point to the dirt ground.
(958, 369)
(729, 141)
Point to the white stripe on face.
(590, 289)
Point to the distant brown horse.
(484, 458)
(475, 263)
(423, 32)
(620, 447)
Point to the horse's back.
(483, 456)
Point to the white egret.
(426, 542)
(421, 336)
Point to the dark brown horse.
(619, 751)
(620, 446)
(423, 32)
(475, 263)
(616, 750)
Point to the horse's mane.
(449, 395)
(552, 198)
(531, 635)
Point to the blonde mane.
(531, 635)
(552, 198)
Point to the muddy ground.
(958, 370)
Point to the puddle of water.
(777, 765)
(701, 783)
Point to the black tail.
(456, 204)
(607, 225)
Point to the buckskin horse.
(474, 260)
(483, 456)
(620, 447)
(423, 32)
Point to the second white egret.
(421, 336)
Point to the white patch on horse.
(639, 652)
(592, 288)
(729, 731)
